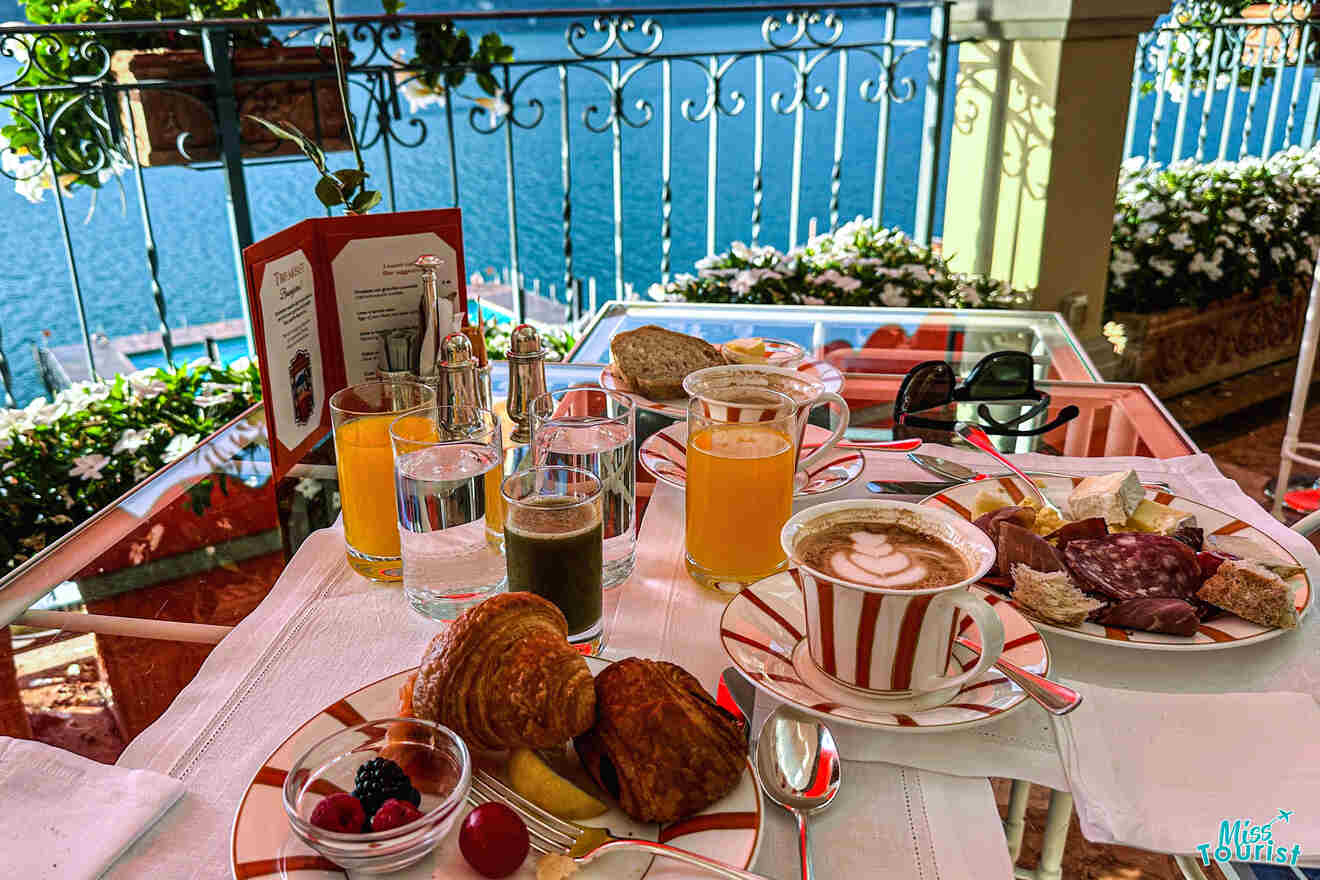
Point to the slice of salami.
(1134, 565)
(1173, 616)
(1091, 527)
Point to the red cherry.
(340, 812)
(494, 840)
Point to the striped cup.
(884, 641)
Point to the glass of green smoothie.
(553, 543)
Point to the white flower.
(308, 488)
(744, 281)
(741, 251)
(1180, 240)
(1122, 262)
(1149, 209)
(656, 292)
(812, 301)
(146, 385)
(131, 440)
(1164, 266)
(970, 296)
(241, 363)
(894, 296)
(842, 282)
(1196, 217)
(179, 446)
(710, 261)
(1277, 254)
(1261, 222)
(1147, 230)
(1210, 268)
(89, 467)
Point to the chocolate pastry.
(660, 746)
(503, 675)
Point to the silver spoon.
(978, 438)
(798, 766)
(1055, 698)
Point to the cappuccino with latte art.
(882, 555)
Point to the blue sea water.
(190, 225)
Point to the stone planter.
(177, 126)
(1186, 348)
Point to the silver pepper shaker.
(526, 378)
(436, 317)
(457, 381)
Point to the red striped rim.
(905, 653)
(1163, 497)
(773, 614)
(837, 462)
(285, 864)
(672, 441)
(753, 643)
(906, 721)
(1011, 488)
(825, 602)
(786, 679)
(954, 506)
(825, 707)
(1021, 640)
(345, 714)
(977, 685)
(1236, 525)
(1113, 632)
(1217, 635)
(973, 707)
(274, 777)
(729, 821)
(866, 637)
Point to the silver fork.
(583, 844)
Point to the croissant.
(503, 675)
(660, 745)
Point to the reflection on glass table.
(860, 340)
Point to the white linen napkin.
(70, 817)
(1162, 771)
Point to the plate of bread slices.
(634, 746)
(649, 364)
(1132, 565)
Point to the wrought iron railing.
(1207, 84)
(802, 63)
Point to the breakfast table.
(297, 630)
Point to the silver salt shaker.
(526, 378)
(457, 381)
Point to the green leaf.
(365, 201)
(487, 83)
(351, 178)
(391, 7)
(328, 191)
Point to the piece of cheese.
(1113, 497)
(1151, 516)
(1047, 520)
(746, 351)
(990, 499)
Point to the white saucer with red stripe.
(677, 408)
(262, 844)
(1226, 631)
(762, 632)
(664, 454)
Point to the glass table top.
(860, 340)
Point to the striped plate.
(762, 629)
(664, 454)
(817, 369)
(1227, 631)
(264, 846)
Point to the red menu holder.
(321, 293)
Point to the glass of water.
(593, 429)
(447, 480)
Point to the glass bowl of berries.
(379, 796)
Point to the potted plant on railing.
(1209, 266)
(170, 126)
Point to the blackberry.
(380, 779)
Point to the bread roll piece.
(655, 361)
(1052, 596)
(1252, 592)
(503, 675)
(660, 746)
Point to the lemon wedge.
(533, 779)
(746, 351)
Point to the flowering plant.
(1190, 234)
(859, 264)
(63, 460)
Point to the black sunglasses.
(1000, 376)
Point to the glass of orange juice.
(361, 415)
(741, 449)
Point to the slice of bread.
(1052, 596)
(1252, 592)
(655, 361)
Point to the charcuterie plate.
(1224, 631)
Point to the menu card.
(321, 293)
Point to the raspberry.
(340, 812)
(394, 813)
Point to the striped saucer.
(664, 454)
(762, 632)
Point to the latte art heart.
(883, 556)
